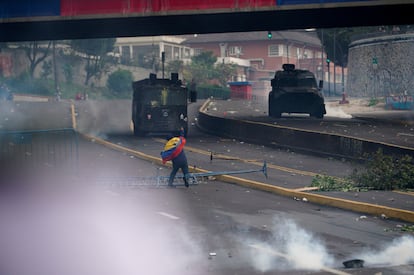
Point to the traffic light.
(269, 35)
(328, 60)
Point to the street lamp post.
(328, 62)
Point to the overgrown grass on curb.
(328, 183)
(402, 228)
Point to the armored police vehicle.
(296, 91)
(159, 106)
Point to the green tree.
(46, 69)
(68, 72)
(201, 68)
(224, 72)
(336, 41)
(36, 52)
(119, 82)
(95, 51)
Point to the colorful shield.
(172, 148)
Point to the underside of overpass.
(191, 23)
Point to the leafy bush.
(385, 172)
(24, 85)
(373, 101)
(119, 82)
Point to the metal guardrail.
(50, 151)
(162, 181)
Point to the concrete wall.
(393, 73)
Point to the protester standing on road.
(174, 151)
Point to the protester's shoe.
(186, 184)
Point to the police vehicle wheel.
(317, 114)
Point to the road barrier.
(39, 151)
(296, 139)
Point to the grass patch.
(328, 183)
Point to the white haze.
(66, 231)
(290, 247)
(293, 248)
(332, 111)
(399, 252)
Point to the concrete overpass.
(27, 20)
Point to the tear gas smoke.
(292, 248)
(399, 252)
(336, 112)
(97, 117)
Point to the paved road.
(212, 228)
(246, 231)
(392, 127)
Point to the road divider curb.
(367, 208)
(300, 140)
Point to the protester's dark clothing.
(180, 162)
(174, 151)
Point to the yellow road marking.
(72, 109)
(255, 162)
(362, 207)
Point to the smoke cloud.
(332, 111)
(293, 248)
(290, 248)
(399, 252)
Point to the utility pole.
(163, 62)
(334, 64)
(328, 62)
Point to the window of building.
(318, 55)
(197, 51)
(235, 50)
(176, 53)
(275, 50)
(187, 52)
